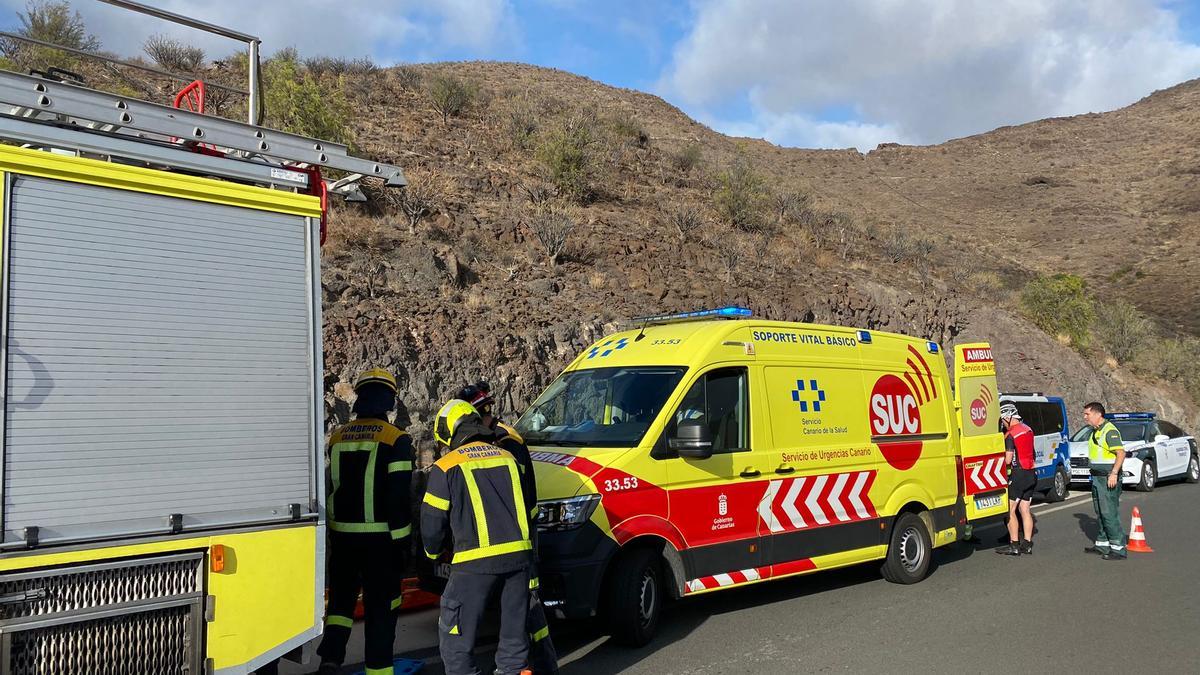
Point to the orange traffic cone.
(1137, 536)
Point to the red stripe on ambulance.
(749, 575)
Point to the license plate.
(1080, 472)
(988, 502)
(442, 570)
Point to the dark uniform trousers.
(374, 563)
(463, 605)
(543, 658)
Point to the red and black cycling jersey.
(1019, 440)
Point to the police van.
(1047, 417)
(691, 454)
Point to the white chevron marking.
(856, 495)
(789, 503)
(764, 507)
(813, 507)
(839, 511)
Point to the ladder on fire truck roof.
(54, 114)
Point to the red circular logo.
(978, 412)
(894, 412)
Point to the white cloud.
(389, 30)
(923, 70)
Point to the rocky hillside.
(930, 241)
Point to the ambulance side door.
(713, 500)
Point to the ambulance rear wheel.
(909, 552)
(633, 597)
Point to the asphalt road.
(1058, 609)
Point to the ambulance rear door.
(981, 445)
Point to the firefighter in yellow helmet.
(543, 658)
(479, 502)
(368, 491)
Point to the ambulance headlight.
(566, 514)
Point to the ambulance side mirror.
(692, 439)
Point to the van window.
(1051, 418)
(1031, 414)
(720, 399)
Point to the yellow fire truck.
(690, 454)
(163, 408)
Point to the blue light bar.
(933, 347)
(864, 336)
(730, 312)
(1130, 416)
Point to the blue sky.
(808, 73)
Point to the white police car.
(1154, 449)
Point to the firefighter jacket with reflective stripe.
(475, 499)
(1103, 446)
(369, 479)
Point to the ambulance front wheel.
(633, 597)
(909, 552)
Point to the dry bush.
(688, 158)
(1124, 330)
(173, 54)
(422, 197)
(729, 252)
(627, 129)
(338, 66)
(451, 96)
(986, 283)
(552, 225)
(685, 218)
(408, 78)
(521, 122)
(792, 207)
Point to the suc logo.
(894, 412)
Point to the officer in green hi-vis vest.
(1106, 454)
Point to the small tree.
(1059, 305)
(418, 199)
(553, 224)
(173, 54)
(791, 207)
(567, 157)
(450, 96)
(49, 21)
(740, 197)
(298, 103)
(1123, 329)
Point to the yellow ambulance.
(693, 453)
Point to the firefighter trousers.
(543, 659)
(1107, 502)
(374, 563)
(463, 605)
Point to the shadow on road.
(1088, 525)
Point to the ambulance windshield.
(601, 407)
